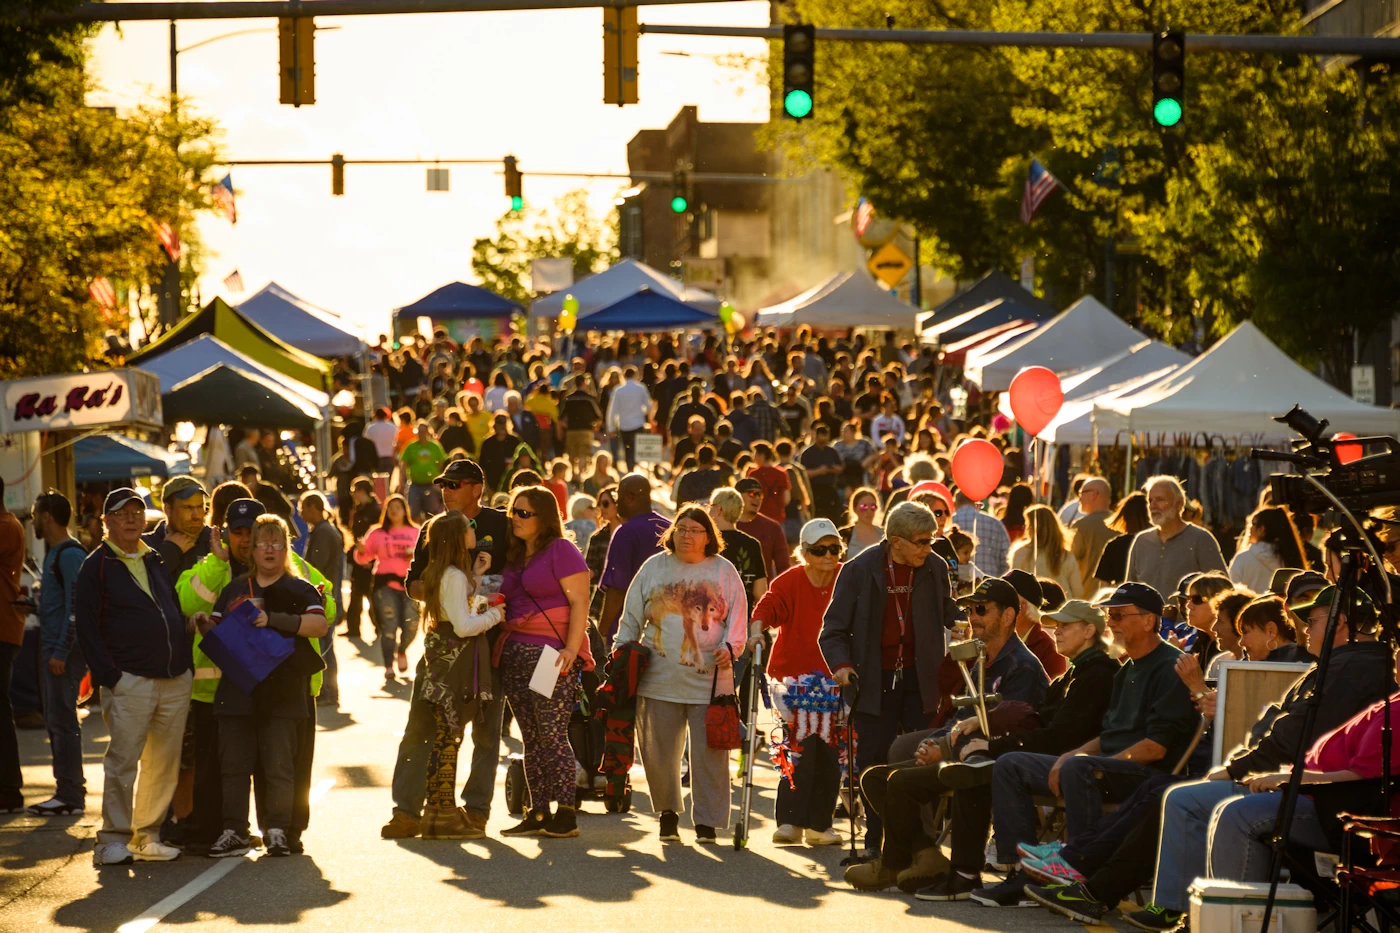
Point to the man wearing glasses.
(886, 629)
(768, 533)
(137, 646)
(1149, 723)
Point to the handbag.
(245, 653)
(722, 729)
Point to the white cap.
(819, 528)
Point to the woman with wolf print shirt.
(687, 605)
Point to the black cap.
(748, 484)
(994, 590)
(1138, 595)
(120, 497)
(461, 471)
(1306, 581)
(242, 513)
(1026, 586)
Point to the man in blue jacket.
(138, 648)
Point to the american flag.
(864, 214)
(233, 281)
(1039, 185)
(221, 193)
(169, 239)
(103, 293)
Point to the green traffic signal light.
(1167, 111)
(517, 202)
(678, 205)
(797, 104)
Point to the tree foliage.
(1273, 200)
(569, 230)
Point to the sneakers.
(1153, 918)
(823, 837)
(705, 835)
(929, 864)
(871, 876)
(1071, 900)
(228, 845)
(276, 840)
(670, 826)
(13, 808)
(949, 886)
(113, 853)
(155, 852)
(1026, 850)
(400, 826)
(55, 807)
(787, 835)
(531, 825)
(563, 824)
(975, 771)
(294, 844)
(1010, 893)
(389, 678)
(447, 823)
(1051, 870)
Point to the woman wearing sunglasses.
(794, 605)
(863, 532)
(545, 584)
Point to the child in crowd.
(583, 519)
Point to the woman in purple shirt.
(546, 586)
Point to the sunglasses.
(920, 542)
(1197, 599)
(1120, 616)
(522, 513)
(450, 484)
(866, 507)
(980, 609)
(824, 550)
(939, 513)
(752, 493)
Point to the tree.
(569, 231)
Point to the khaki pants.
(661, 732)
(145, 718)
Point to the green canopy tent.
(223, 394)
(224, 321)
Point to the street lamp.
(175, 51)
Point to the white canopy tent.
(1235, 389)
(300, 323)
(847, 299)
(616, 283)
(1083, 335)
(1075, 422)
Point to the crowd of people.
(495, 504)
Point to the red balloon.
(1036, 398)
(931, 486)
(1346, 453)
(977, 468)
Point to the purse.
(722, 729)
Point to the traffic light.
(799, 68)
(679, 203)
(620, 55)
(296, 46)
(337, 174)
(517, 200)
(1168, 77)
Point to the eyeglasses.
(605, 503)
(522, 513)
(866, 507)
(1120, 616)
(824, 550)
(920, 542)
(980, 609)
(690, 531)
(450, 484)
(1197, 599)
(939, 513)
(270, 546)
(754, 493)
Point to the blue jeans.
(1240, 829)
(65, 734)
(1181, 855)
(424, 499)
(1018, 776)
(901, 710)
(397, 617)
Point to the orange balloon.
(1036, 397)
(977, 468)
(1346, 453)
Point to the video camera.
(1367, 482)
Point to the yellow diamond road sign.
(889, 264)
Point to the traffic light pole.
(256, 9)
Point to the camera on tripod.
(1371, 481)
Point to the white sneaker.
(112, 853)
(827, 837)
(787, 835)
(155, 852)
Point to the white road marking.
(207, 879)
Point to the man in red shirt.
(777, 488)
(11, 637)
(768, 533)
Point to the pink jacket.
(389, 550)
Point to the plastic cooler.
(1233, 907)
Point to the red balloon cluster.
(1036, 398)
(977, 468)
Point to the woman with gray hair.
(886, 630)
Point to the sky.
(461, 85)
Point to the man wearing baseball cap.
(1028, 622)
(183, 538)
(768, 533)
(1148, 726)
(137, 646)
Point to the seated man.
(1149, 723)
(1357, 676)
(908, 857)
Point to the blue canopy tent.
(224, 394)
(300, 323)
(464, 311)
(617, 282)
(100, 458)
(645, 311)
(207, 351)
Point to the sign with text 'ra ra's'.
(81, 400)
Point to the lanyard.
(899, 610)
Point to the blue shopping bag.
(245, 653)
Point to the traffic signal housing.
(296, 59)
(513, 188)
(679, 202)
(1168, 78)
(799, 70)
(337, 174)
(620, 33)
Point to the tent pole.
(1128, 467)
